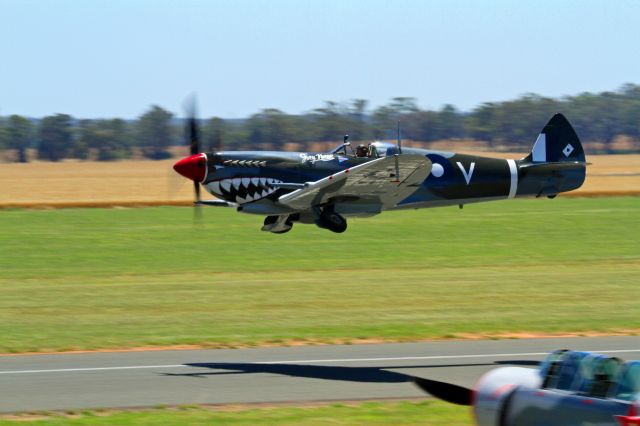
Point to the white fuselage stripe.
(311, 361)
(513, 168)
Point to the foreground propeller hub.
(193, 167)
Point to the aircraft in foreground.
(569, 388)
(327, 188)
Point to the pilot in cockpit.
(362, 151)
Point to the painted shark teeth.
(243, 190)
(237, 183)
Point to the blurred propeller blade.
(192, 130)
(192, 133)
(194, 137)
(196, 191)
(197, 212)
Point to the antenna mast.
(397, 154)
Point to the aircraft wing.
(374, 181)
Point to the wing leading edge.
(374, 181)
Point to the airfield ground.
(423, 413)
(81, 279)
(88, 184)
(91, 279)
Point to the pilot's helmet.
(362, 151)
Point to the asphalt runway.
(267, 375)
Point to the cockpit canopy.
(589, 374)
(375, 149)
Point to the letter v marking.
(467, 176)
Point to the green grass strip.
(426, 413)
(113, 278)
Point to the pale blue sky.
(113, 58)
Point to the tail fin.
(557, 143)
(556, 163)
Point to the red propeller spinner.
(193, 167)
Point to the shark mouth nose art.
(243, 190)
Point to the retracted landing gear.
(277, 224)
(329, 219)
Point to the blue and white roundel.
(440, 170)
(437, 170)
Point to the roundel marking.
(437, 170)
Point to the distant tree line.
(512, 124)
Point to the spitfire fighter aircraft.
(326, 188)
(569, 388)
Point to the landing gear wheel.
(285, 231)
(332, 221)
(270, 220)
(271, 224)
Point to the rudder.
(555, 164)
(557, 143)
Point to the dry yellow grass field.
(92, 183)
(75, 183)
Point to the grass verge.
(425, 413)
(99, 279)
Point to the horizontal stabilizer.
(556, 165)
